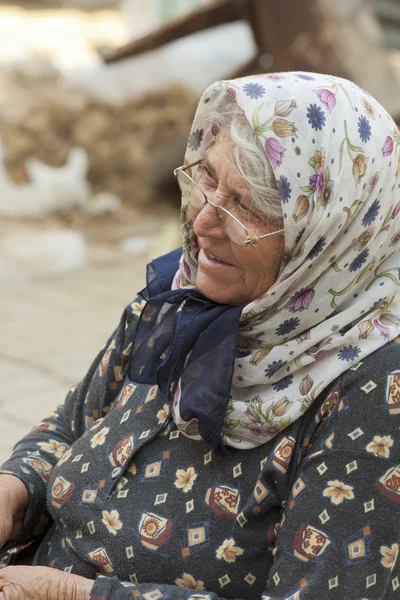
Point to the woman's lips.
(211, 260)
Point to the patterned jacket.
(147, 512)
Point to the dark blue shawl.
(183, 335)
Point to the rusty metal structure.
(341, 38)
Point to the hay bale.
(132, 148)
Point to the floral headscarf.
(335, 154)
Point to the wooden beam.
(221, 11)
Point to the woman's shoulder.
(370, 377)
(378, 365)
(360, 410)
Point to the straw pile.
(132, 148)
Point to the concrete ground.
(51, 329)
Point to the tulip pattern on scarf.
(335, 153)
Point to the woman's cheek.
(193, 213)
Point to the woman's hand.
(42, 583)
(13, 503)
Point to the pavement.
(51, 329)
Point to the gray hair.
(249, 156)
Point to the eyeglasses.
(196, 197)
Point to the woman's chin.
(219, 292)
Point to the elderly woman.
(238, 435)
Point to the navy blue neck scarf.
(183, 334)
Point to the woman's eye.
(244, 210)
(249, 215)
(205, 174)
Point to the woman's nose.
(206, 223)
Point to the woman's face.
(241, 273)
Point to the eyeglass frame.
(251, 240)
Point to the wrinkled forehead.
(220, 161)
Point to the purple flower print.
(232, 93)
(364, 129)
(305, 77)
(275, 151)
(256, 429)
(387, 147)
(396, 210)
(359, 260)
(371, 213)
(327, 98)
(283, 383)
(320, 188)
(274, 367)
(285, 276)
(313, 181)
(284, 188)
(384, 331)
(317, 248)
(195, 139)
(316, 117)
(254, 90)
(301, 300)
(287, 326)
(348, 353)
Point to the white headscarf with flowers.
(335, 154)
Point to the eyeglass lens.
(194, 196)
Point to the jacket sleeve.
(34, 456)
(340, 530)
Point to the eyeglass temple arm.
(184, 167)
(193, 164)
(254, 239)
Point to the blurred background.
(96, 103)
